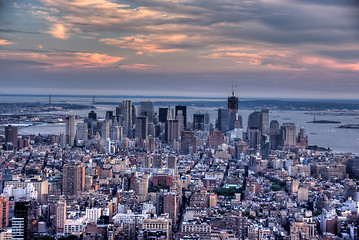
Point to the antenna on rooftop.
(49, 99)
(93, 100)
(233, 88)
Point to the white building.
(74, 226)
(18, 228)
(92, 214)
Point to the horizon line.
(178, 97)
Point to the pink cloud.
(59, 30)
(152, 43)
(93, 15)
(5, 42)
(330, 64)
(60, 61)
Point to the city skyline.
(268, 48)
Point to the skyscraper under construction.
(235, 120)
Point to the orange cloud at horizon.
(330, 64)
(135, 67)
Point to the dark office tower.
(141, 127)
(172, 131)
(11, 135)
(223, 120)
(147, 109)
(353, 167)
(184, 113)
(92, 115)
(72, 180)
(302, 139)
(109, 115)
(188, 142)
(198, 121)
(127, 118)
(274, 135)
(265, 146)
(119, 114)
(162, 114)
(255, 120)
(21, 223)
(259, 120)
(70, 130)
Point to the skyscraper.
(265, 121)
(21, 223)
(172, 131)
(188, 142)
(170, 205)
(82, 132)
(11, 135)
(232, 104)
(290, 134)
(127, 118)
(198, 121)
(4, 212)
(302, 139)
(105, 129)
(184, 114)
(109, 115)
(72, 180)
(255, 120)
(223, 120)
(147, 109)
(115, 132)
(141, 127)
(259, 120)
(274, 135)
(162, 114)
(92, 115)
(70, 130)
(60, 215)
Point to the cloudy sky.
(268, 48)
